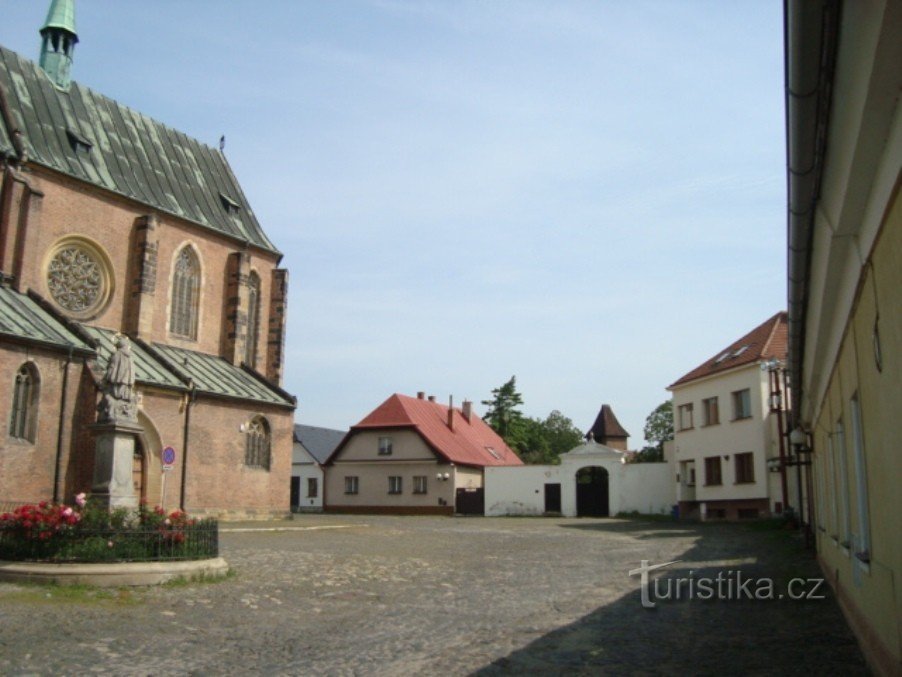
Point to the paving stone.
(437, 596)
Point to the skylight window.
(722, 357)
(79, 142)
(740, 351)
(494, 453)
(230, 205)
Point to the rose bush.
(89, 532)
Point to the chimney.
(467, 409)
(432, 398)
(451, 412)
(421, 395)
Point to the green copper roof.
(99, 141)
(215, 376)
(22, 319)
(61, 15)
(148, 369)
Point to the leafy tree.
(503, 415)
(658, 429)
(536, 441)
(561, 434)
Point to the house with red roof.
(730, 449)
(413, 455)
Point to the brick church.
(111, 222)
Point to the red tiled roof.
(606, 426)
(767, 340)
(466, 444)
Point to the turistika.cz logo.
(728, 585)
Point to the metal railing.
(199, 540)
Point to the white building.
(728, 430)
(312, 446)
(592, 480)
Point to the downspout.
(59, 432)
(775, 389)
(189, 401)
(810, 42)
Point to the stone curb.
(114, 574)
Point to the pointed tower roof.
(61, 16)
(606, 426)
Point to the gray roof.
(319, 442)
(148, 369)
(95, 139)
(23, 319)
(214, 375)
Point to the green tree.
(503, 415)
(658, 429)
(561, 434)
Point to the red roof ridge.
(767, 339)
(473, 444)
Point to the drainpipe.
(778, 410)
(59, 431)
(810, 44)
(185, 434)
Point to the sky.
(589, 196)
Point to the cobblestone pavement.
(349, 595)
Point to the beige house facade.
(845, 291)
(413, 456)
(727, 431)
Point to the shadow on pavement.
(697, 636)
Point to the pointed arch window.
(253, 318)
(185, 294)
(25, 404)
(259, 441)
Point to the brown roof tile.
(767, 340)
(606, 426)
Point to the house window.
(185, 294)
(352, 484)
(25, 404)
(712, 471)
(257, 444)
(419, 484)
(685, 416)
(742, 404)
(312, 487)
(745, 468)
(863, 544)
(394, 484)
(253, 318)
(385, 446)
(711, 415)
(842, 485)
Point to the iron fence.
(199, 540)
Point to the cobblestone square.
(361, 595)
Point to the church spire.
(58, 41)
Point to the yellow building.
(844, 77)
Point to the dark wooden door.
(470, 502)
(295, 492)
(553, 497)
(592, 492)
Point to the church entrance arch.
(149, 464)
(592, 492)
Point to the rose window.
(77, 278)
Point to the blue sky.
(587, 195)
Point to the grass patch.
(184, 582)
(83, 595)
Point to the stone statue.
(119, 401)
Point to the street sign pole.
(168, 457)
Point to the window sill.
(713, 484)
(744, 482)
(710, 425)
(394, 493)
(350, 493)
(741, 418)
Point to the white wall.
(518, 490)
(646, 488)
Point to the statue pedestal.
(114, 452)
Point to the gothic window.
(78, 277)
(185, 294)
(25, 403)
(253, 318)
(257, 451)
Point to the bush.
(88, 532)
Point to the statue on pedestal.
(119, 401)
